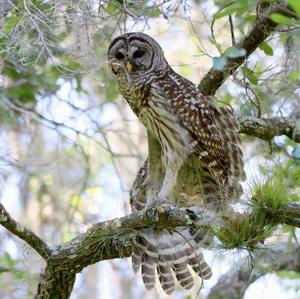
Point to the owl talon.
(158, 203)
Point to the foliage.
(244, 232)
(267, 209)
(269, 201)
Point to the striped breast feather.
(158, 253)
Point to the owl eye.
(138, 53)
(119, 55)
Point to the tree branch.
(4, 269)
(56, 284)
(268, 128)
(24, 233)
(114, 239)
(262, 28)
(234, 283)
(108, 240)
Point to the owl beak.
(129, 67)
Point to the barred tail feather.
(168, 255)
(166, 278)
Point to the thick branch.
(262, 28)
(56, 284)
(108, 240)
(114, 238)
(24, 233)
(268, 128)
(234, 283)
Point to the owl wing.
(217, 142)
(214, 130)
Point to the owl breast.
(160, 119)
(154, 109)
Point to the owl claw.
(158, 202)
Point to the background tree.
(70, 147)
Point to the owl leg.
(168, 185)
(169, 182)
(155, 170)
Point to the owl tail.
(168, 255)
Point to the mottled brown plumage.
(186, 123)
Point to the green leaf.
(250, 18)
(20, 275)
(219, 63)
(153, 12)
(296, 152)
(266, 48)
(9, 261)
(25, 93)
(233, 52)
(111, 9)
(231, 9)
(295, 4)
(294, 76)
(10, 23)
(250, 75)
(288, 274)
(281, 19)
(70, 63)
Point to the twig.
(232, 31)
(24, 233)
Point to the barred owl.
(186, 123)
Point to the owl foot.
(158, 204)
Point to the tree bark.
(56, 284)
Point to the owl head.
(135, 54)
